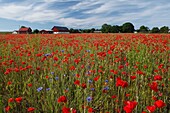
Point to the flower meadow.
(85, 73)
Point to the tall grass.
(39, 69)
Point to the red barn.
(60, 30)
(25, 30)
(46, 31)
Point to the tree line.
(125, 28)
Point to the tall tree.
(106, 28)
(92, 30)
(164, 29)
(128, 27)
(36, 31)
(115, 29)
(155, 30)
(23, 27)
(143, 29)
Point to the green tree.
(23, 27)
(143, 29)
(155, 30)
(115, 29)
(106, 28)
(120, 29)
(71, 30)
(128, 27)
(36, 31)
(164, 29)
(92, 30)
(74, 30)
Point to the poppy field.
(85, 73)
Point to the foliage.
(36, 31)
(23, 27)
(128, 27)
(143, 29)
(155, 30)
(110, 29)
(164, 29)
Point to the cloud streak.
(88, 13)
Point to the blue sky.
(44, 14)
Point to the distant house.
(15, 32)
(46, 31)
(25, 30)
(60, 30)
(135, 32)
(97, 31)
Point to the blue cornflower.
(88, 51)
(89, 99)
(52, 73)
(90, 81)
(88, 67)
(106, 88)
(92, 89)
(62, 51)
(47, 89)
(39, 89)
(48, 54)
(106, 81)
(88, 72)
(56, 78)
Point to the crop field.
(85, 73)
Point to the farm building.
(60, 30)
(15, 32)
(46, 31)
(97, 31)
(25, 30)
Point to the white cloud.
(95, 12)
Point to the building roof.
(60, 28)
(45, 30)
(24, 29)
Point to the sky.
(44, 14)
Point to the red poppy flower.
(30, 109)
(29, 85)
(96, 78)
(77, 82)
(18, 100)
(132, 77)
(151, 109)
(72, 68)
(90, 110)
(120, 82)
(62, 99)
(130, 105)
(154, 86)
(47, 77)
(10, 100)
(7, 108)
(159, 104)
(55, 58)
(73, 111)
(114, 96)
(83, 85)
(109, 52)
(9, 83)
(157, 77)
(65, 110)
